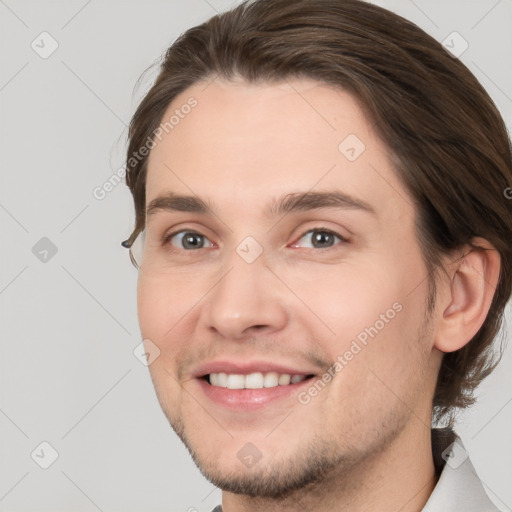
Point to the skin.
(363, 442)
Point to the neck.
(400, 477)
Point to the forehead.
(242, 143)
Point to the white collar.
(458, 487)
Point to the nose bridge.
(244, 297)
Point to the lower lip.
(249, 399)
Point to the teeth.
(255, 380)
(219, 379)
(284, 379)
(271, 380)
(235, 382)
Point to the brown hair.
(446, 138)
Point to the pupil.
(192, 240)
(323, 238)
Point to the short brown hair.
(446, 138)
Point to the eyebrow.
(293, 202)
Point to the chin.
(276, 475)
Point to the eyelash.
(169, 237)
(343, 240)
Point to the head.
(322, 188)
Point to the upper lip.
(247, 367)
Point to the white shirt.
(458, 489)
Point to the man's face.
(247, 294)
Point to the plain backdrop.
(69, 377)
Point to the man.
(324, 252)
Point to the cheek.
(377, 319)
(349, 299)
(151, 298)
(166, 308)
(371, 311)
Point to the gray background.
(69, 327)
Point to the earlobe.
(468, 296)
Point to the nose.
(246, 301)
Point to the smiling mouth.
(256, 380)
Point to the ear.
(467, 296)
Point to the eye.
(319, 239)
(188, 240)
